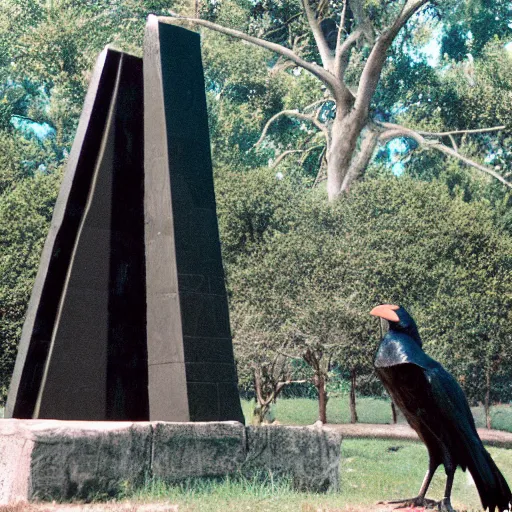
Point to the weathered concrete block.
(50, 459)
(182, 450)
(64, 460)
(310, 455)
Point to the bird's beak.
(386, 311)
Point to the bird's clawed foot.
(446, 506)
(443, 506)
(414, 502)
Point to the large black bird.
(435, 406)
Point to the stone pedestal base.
(64, 460)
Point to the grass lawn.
(371, 470)
(304, 411)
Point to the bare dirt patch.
(163, 507)
(97, 507)
(403, 431)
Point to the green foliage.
(21, 157)
(253, 206)
(390, 240)
(470, 25)
(48, 49)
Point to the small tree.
(259, 361)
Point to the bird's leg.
(445, 504)
(420, 500)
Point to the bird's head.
(399, 320)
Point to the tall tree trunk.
(353, 411)
(322, 398)
(343, 141)
(262, 402)
(487, 403)
(393, 412)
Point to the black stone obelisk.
(190, 355)
(128, 318)
(83, 351)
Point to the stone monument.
(128, 318)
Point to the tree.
(260, 364)
(274, 287)
(351, 137)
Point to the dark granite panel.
(203, 402)
(164, 329)
(217, 285)
(161, 274)
(127, 365)
(89, 270)
(211, 372)
(191, 190)
(76, 378)
(167, 386)
(204, 315)
(208, 350)
(168, 401)
(193, 185)
(173, 74)
(197, 283)
(230, 402)
(56, 256)
(182, 75)
(197, 242)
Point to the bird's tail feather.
(492, 487)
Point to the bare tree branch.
(308, 150)
(257, 386)
(321, 43)
(373, 67)
(342, 57)
(282, 384)
(283, 26)
(282, 64)
(26, 118)
(292, 113)
(454, 143)
(317, 104)
(395, 130)
(320, 176)
(362, 20)
(334, 85)
(341, 28)
(288, 355)
(284, 154)
(460, 132)
(450, 152)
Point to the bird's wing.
(470, 452)
(457, 417)
(450, 398)
(454, 408)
